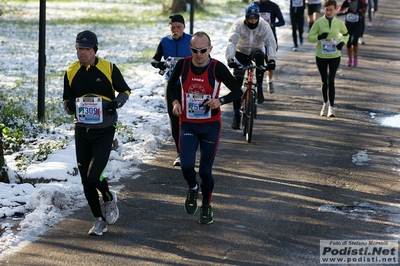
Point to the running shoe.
(271, 87)
(236, 122)
(349, 63)
(111, 209)
(324, 110)
(369, 24)
(206, 215)
(331, 111)
(191, 200)
(294, 48)
(355, 62)
(361, 40)
(98, 228)
(177, 161)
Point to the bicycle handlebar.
(252, 67)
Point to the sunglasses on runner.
(201, 50)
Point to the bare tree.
(3, 173)
(178, 6)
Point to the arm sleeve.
(157, 56)
(313, 33)
(120, 86)
(279, 16)
(225, 76)
(67, 94)
(172, 86)
(233, 39)
(269, 41)
(345, 33)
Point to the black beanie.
(176, 18)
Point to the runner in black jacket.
(89, 93)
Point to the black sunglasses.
(201, 50)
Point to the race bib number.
(266, 16)
(313, 2)
(89, 110)
(195, 108)
(350, 17)
(328, 46)
(297, 3)
(171, 62)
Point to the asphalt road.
(269, 194)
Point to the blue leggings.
(205, 135)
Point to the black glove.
(161, 65)
(271, 65)
(323, 35)
(340, 46)
(232, 63)
(71, 105)
(112, 107)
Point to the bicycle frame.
(249, 101)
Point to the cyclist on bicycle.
(249, 39)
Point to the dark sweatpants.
(93, 147)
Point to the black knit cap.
(176, 18)
(86, 39)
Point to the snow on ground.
(30, 210)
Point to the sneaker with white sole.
(324, 110)
(98, 228)
(191, 200)
(206, 215)
(331, 111)
(111, 209)
(271, 88)
(177, 161)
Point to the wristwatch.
(222, 100)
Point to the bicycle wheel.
(255, 98)
(249, 114)
(244, 114)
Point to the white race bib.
(195, 108)
(266, 16)
(297, 3)
(89, 110)
(328, 46)
(350, 17)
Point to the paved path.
(268, 193)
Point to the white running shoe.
(177, 161)
(331, 111)
(111, 209)
(98, 228)
(271, 88)
(324, 110)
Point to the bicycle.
(249, 100)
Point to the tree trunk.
(178, 6)
(3, 173)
